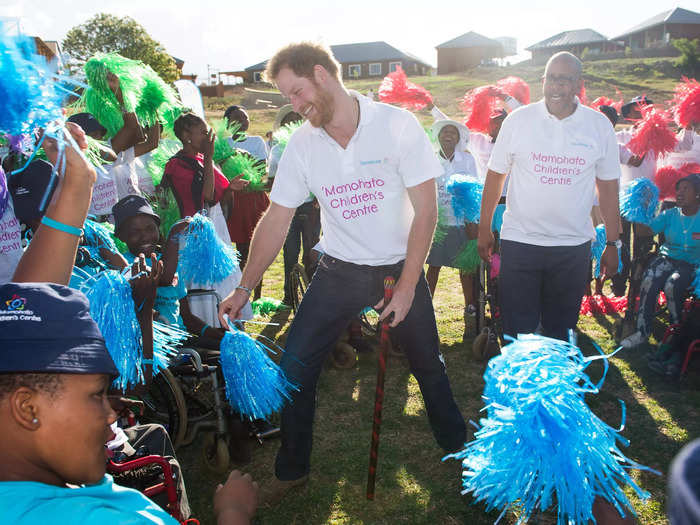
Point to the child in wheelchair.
(672, 271)
(137, 225)
(56, 419)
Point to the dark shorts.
(443, 253)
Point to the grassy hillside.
(654, 77)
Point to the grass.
(413, 485)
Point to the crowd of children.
(115, 202)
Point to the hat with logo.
(130, 206)
(47, 327)
(88, 122)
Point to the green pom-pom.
(267, 306)
(441, 229)
(222, 147)
(253, 170)
(155, 166)
(468, 258)
(283, 134)
(166, 208)
(143, 92)
(94, 151)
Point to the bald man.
(557, 152)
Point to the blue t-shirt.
(682, 235)
(33, 503)
(167, 299)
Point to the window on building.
(393, 66)
(375, 69)
(354, 70)
(257, 76)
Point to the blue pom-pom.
(540, 444)
(97, 236)
(204, 258)
(256, 386)
(166, 340)
(466, 193)
(598, 247)
(639, 200)
(27, 89)
(112, 308)
(695, 287)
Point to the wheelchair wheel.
(215, 453)
(343, 356)
(299, 282)
(164, 404)
(479, 344)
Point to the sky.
(232, 35)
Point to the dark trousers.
(542, 284)
(672, 276)
(304, 231)
(338, 292)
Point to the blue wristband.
(147, 361)
(201, 334)
(65, 228)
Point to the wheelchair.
(489, 338)
(188, 398)
(151, 475)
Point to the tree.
(689, 61)
(106, 33)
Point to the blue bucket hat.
(47, 328)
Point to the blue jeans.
(542, 283)
(338, 292)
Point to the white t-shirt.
(646, 169)
(10, 243)
(462, 162)
(253, 144)
(366, 213)
(553, 166)
(123, 171)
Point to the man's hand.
(236, 500)
(232, 306)
(400, 304)
(608, 262)
(485, 243)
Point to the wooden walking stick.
(379, 391)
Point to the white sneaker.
(633, 340)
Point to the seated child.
(55, 397)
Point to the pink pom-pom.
(665, 179)
(396, 89)
(689, 168)
(602, 305)
(653, 133)
(516, 87)
(582, 95)
(686, 102)
(479, 104)
(495, 262)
